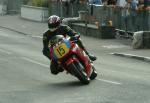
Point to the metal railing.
(135, 21)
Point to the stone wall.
(105, 32)
(34, 13)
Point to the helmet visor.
(53, 29)
(54, 25)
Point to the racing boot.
(92, 57)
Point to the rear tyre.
(78, 70)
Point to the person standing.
(96, 2)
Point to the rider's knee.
(54, 72)
(53, 69)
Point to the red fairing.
(71, 60)
(82, 57)
(51, 54)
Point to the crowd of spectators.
(121, 3)
(130, 10)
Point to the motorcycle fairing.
(61, 49)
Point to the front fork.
(87, 67)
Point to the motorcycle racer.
(55, 28)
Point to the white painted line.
(114, 46)
(35, 62)
(37, 37)
(108, 81)
(4, 51)
(47, 66)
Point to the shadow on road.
(67, 84)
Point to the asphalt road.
(25, 76)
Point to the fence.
(136, 21)
(3, 7)
(65, 10)
(13, 6)
(2, 1)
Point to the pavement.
(23, 26)
(35, 29)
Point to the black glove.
(75, 38)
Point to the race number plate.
(61, 50)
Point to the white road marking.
(114, 46)
(4, 51)
(35, 62)
(47, 66)
(37, 37)
(108, 81)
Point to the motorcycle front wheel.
(78, 70)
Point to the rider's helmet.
(54, 21)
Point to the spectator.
(67, 6)
(111, 2)
(97, 2)
(147, 4)
(74, 1)
(133, 12)
(84, 1)
(143, 11)
(141, 5)
(121, 3)
(144, 4)
(134, 4)
(126, 15)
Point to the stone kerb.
(141, 39)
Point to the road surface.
(25, 75)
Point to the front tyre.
(78, 70)
(94, 73)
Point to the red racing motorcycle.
(70, 57)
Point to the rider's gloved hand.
(75, 38)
